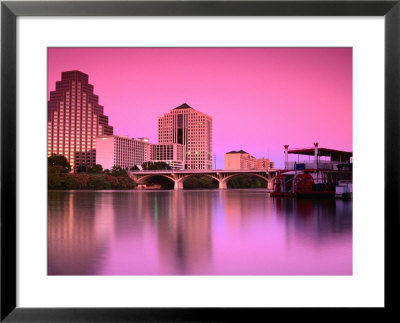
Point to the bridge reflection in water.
(196, 232)
(222, 176)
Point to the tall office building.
(75, 119)
(191, 128)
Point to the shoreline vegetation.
(90, 178)
(86, 181)
(95, 178)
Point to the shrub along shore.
(84, 181)
(92, 178)
(95, 178)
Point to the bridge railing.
(201, 171)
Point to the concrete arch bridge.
(222, 176)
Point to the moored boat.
(317, 178)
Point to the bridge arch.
(184, 178)
(268, 180)
(227, 178)
(181, 180)
(143, 179)
(221, 176)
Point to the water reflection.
(214, 232)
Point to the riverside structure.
(317, 177)
(222, 176)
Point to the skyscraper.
(75, 119)
(191, 128)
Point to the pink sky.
(259, 98)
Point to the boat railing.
(313, 164)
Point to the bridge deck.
(202, 171)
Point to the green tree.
(98, 182)
(74, 182)
(118, 171)
(54, 179)
(155, 166)
(166, 183)
(113, 181)
(96, 169)
(200, 182)
(245, 181)
(134, 168)
(59, 161)
(126, 182)
(81, 169)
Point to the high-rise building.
(121, 151)
(172, 154)
(191, 128)
(75, 119)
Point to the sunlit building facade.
(75, 119)
(121, 151)
(172, 154)
(237, 160)
(192, 129)
(264, 163)
(241, 160)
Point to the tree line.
(95, 177)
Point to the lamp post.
(286, 155)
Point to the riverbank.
(119, 180)
(83, 181)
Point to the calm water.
(213, 232)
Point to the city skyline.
(259, 98)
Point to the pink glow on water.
(234, 232)
(259, 98)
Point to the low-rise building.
(121, 151)
(172, 154)
(264, 163)
(235, 160)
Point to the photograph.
(200, 161)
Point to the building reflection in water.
(80, 226)
(316, 221)
(210, 232)
(317, 230)
(184, 232)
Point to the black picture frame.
(10, 10)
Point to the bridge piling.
(222, 176)
(178, 185)
(222, 185)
